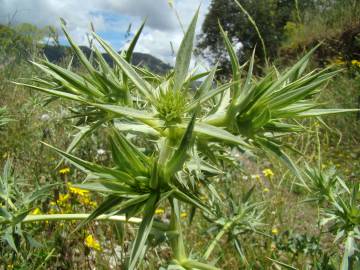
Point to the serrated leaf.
(184, 55)
(207, 95)
(144, 87)
(145, 227)
(130, 49)
(80, 135)
(53, 92)
(126, 155)
(206, 84)
(235, 66)
(87, 166)
(126, 111)
(105, 206)
(180, 155)
(217, 133)
(8, 237)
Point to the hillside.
(21, 45)
(57, 53)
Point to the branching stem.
(65, 217)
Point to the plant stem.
(55, 217)
(216, 240)
(224, 230)
(198, 265)
(177, 242)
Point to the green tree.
(270, 16)
(20, 41)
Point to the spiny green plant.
(4, 118)
(238, 216)
(182, 128)
(13, 211)
(340, 207)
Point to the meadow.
(117, 167)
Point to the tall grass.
(328, 21)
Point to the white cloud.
(158, 42)
(158, 12)
(113, 16)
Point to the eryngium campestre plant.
(4, 118)
(340, 209)
(184, 130)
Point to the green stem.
(224, 230)
(216, 240)
(177, 241)
(252, 21)
(65, 217)
(198, 265)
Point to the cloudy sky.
(111, 19)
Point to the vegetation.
(158, 175)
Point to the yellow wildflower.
(338, 61)
(63, 197)
(159, 211)
(183, 215)
(36, 211)
(355, 63)
(85, 200)
(91, 242)
(266, 190)
(75, 190)
(268, 173)
(52, 211)
(275, 231)
(65, 170)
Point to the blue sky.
(111, 19)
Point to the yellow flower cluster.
(76, 191)
(355, 63)
(338, 61)
(36, 211)
(62, 203)
(83, 195)
(275, 231)
(268, 173)
(65, 170)
(85, 200)
(159, 211)
(91, 242)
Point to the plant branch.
(227, 227)
(55, 217)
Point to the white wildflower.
(45, 117)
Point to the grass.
(290, 235)
(326, 24)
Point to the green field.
(116, 160)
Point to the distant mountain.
(57, 54)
